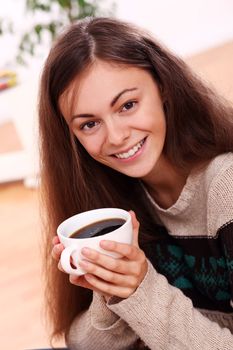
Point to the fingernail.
(84, 263)
(105, 244)
(86, 251)
(88, 277)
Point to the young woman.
(124, 123)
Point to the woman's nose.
(117, 132)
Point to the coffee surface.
(98, 228)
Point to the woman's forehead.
(101, 81)
(103, 75)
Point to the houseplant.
(45, 20)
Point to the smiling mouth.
(131, 152)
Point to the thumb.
(135, 224)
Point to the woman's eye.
(129, 105)
(89, 125)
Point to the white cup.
(73, 246)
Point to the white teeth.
(131, 152)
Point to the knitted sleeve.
(99, 328)
(226, 234)
(164, 318)
(220, 199)
(220, 215)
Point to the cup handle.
(65, 262)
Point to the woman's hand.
(107, 275)
(110, 276)
(57, 249)
(79, 280)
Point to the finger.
(129, 251)
(55, 240)
(57, 250)
(117, 265)
(81, 281)
(136, 225)
(120, 265)
(108, 289)
(108, 275)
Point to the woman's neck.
(165, 183)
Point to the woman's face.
(118, 117)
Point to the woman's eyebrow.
(113, 102)
(120, 94)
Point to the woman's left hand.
(115, 277)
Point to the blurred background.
(201, 32)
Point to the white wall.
(12, 10)
(185, 26)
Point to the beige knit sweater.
(158, 313)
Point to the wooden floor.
(22, 323)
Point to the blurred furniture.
(18, 104)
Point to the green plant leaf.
(82, 3)
(34, 5)
(64, 3)
(69, 11)
(38, 29)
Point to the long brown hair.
(199, 127)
